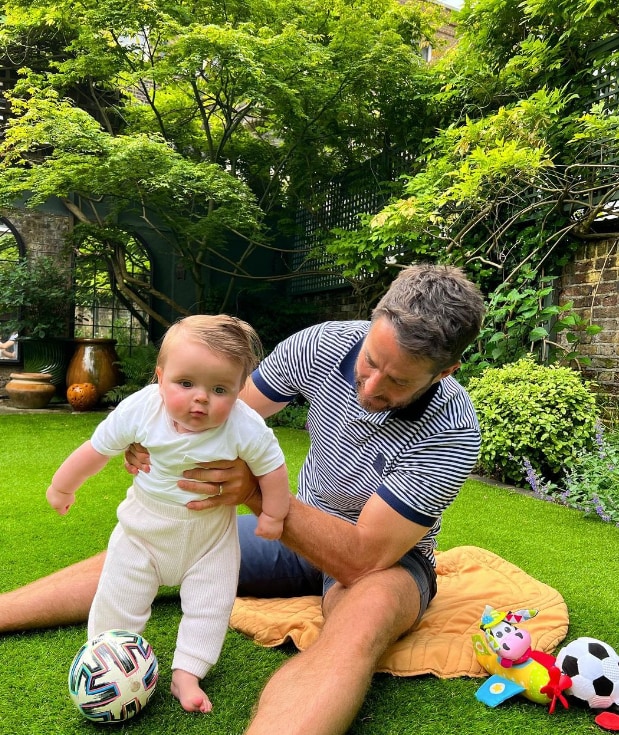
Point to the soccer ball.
(113, 676)
(593, 667)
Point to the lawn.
(576, 555)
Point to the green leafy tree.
(210, 121)
(520, 170)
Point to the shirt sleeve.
(299, 364)
(424, 481)
(261, 450)
(119, 429)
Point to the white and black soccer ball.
(593, 667)
(113, 676)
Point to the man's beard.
(378, 403)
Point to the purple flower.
(530, 475)
(599, 509)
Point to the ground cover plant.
(591, 484)
(576, 554)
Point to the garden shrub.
(292, 416)
(544, 415)
(137, 365)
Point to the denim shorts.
(271, 569)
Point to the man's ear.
(448, 371)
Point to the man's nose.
(373, 384)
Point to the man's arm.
(344, 550)
(258, 401)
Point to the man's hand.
(231, 477)
(228, 482)
(137, 459)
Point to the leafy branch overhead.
(522, 168)
(209, 122)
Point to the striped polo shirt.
(415, 458)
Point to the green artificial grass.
(576, 555)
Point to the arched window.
(102, 309)
(11, 251)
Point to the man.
(393, 437)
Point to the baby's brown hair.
(225, 335)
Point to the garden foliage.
(138, 368)
(545, 415)
(590, 485)
(522, 164)
(525, 320)
(209, 122)
(37, 294)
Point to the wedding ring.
(216, 495)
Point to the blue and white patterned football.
(113, 676)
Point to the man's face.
(386, 376)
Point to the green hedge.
(544, 414)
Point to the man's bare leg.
(320, 690)
(62, 598)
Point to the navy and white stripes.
(416, 459)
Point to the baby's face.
(198, 387)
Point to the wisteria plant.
(591, 485)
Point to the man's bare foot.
(186, 688)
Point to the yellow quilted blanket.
(468, 579)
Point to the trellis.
(345, 198)
(606, 73)
(362, 191)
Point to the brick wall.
(591, 281)
(42, 233)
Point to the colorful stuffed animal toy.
(587, 668)
(505, 652)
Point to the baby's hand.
(269, 527)
(60, 502)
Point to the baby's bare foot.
(186, 688)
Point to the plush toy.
(505, 652)
(593, 667)
(586, 669)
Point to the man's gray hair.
(436, 312)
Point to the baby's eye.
(219, 390)
(185, 383)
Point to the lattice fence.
(606, 73)
(8, 77)
(363, 191)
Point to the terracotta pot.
(82, 396)
(30, 390)
(95, 361)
